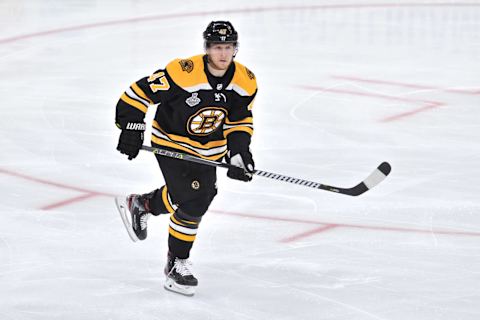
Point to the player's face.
(221, 55)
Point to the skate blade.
(123, 210)
(170, 285)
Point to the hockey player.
(204, 109)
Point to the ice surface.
(343, 87)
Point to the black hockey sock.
(182, 232)
(179, 248)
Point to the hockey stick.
(377, 176)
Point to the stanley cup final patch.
(193, 100)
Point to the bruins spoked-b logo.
(206, 121)
(250, 73)
(187, 65)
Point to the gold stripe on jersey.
(238, 128)
(140, 93)
(243, 82)
(245, 125)
(250, 106)
(133, 103)
(212, 150)
(166, 200)
(191, 79)
(132, 95)
(244, 121)
(190, 142)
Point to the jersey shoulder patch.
(244, 81)
(189, 73)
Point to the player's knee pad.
(184, 226)
(167, 201)
(160, 201)
(188, 182)
(199, 195)
(198, 206)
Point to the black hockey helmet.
(220, 32)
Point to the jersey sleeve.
(238, 127)
(134, 102)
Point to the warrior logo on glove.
(135, 126)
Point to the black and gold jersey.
(197, 112)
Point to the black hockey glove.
(131, 139)
(244, 161)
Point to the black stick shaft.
(376, 177)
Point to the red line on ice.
(323, 226)
(150, 18)
(344, 225)
(412, 112)
(69, 201)
(408, 85)
(50, 183)
(88, 193)
(426, 104)
(85, 192)
(309, 233)
(254, 216)
(413, 230)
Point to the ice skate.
(134, 215)
(179, 276)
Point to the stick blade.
(385, 168)
(377, 176)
